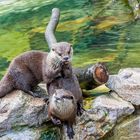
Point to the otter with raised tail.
(27, 70)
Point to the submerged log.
(93, 76)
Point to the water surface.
(99, 31)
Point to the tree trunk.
(93, 76)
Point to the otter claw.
(46, 99)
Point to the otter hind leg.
(70, 131)
(6, 86)
(25, 81)
(80, 109)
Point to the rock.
(45, 132)
(114, 106)
(127, 130)
(102, 117)
(126, 84)
(19, 109)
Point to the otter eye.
(59, 54)
(69, 52)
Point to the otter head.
(63, 104)
(63, 51)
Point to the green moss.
(50, 133)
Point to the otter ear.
(53, 48)
(70, 45)
(71, 51)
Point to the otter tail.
(49, 33)
(6, 86)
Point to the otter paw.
(46, 99)
(70, 133)
(56, 121)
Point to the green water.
(99, 30)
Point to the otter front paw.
(56, 121)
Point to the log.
(93, 76)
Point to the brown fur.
(62, 105)
(67, 83)
(30, 68)
(71, 85)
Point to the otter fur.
(27, 70)
(69, 85)
(62, 104)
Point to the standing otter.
(30, 68)
(65, 85)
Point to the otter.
(62, 104)
(27, 70)
(67, 85)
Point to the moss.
(50, 133)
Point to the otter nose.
(66, 58)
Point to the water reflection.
(99, 30)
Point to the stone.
(114, 106)
(126, 84)
(127, 130)
(45, 132)
(105, 112)
(19, 109)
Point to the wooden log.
(93, 76)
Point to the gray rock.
(114, 106)
(102, 117)
(126, 84)
(19, 109)
(127, 130)
(45, 132)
